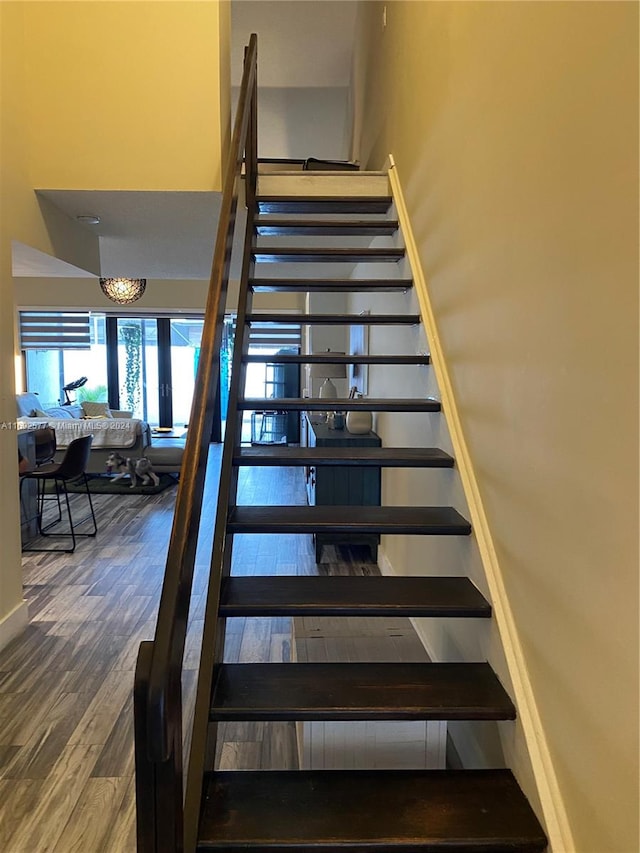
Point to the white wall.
(322, 338)
(303, 122)
(450, 640)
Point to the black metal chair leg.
(42, 498)
(93, 515)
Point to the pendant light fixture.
(123, 290)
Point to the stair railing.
(157, 684)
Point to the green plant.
(95, 394)
(131, 337)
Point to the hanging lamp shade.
(123, 290)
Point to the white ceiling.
(147, 234)
(301, 43)
(28, 262)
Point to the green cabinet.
(342, 485)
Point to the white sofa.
(128, 435)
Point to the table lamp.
(328, 372)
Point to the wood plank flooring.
(66, 739)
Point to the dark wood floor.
(66, 743)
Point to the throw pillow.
(96, 410)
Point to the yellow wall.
(19, 210)
(125, 95)
(224, 87)
(515, 130)
(23, 217)
(95, 95)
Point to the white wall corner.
(13, 623)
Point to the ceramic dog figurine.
(136, 469)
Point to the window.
(265, 379)
(144, 364)
(53, 360)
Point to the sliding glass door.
(137, 353)
(157, 363)
(185, 336)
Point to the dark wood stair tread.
(370, 595)
(320, 227)
(388, 457)
(334, 358)
(359, 691)
(323, 204)
(273, 255)
(411, 520)
(335, 319)
(329, 285)
(454, 811)
(318, 404)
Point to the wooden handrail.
(158, 705)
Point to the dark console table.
(341, 485)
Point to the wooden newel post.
(159, 790)
(145, 772)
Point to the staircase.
(328, 810)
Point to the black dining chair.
(72, 467)
(45, 445)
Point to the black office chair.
(72, 467)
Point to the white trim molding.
(13, 623)
(554, 812)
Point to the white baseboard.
(13, 623)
